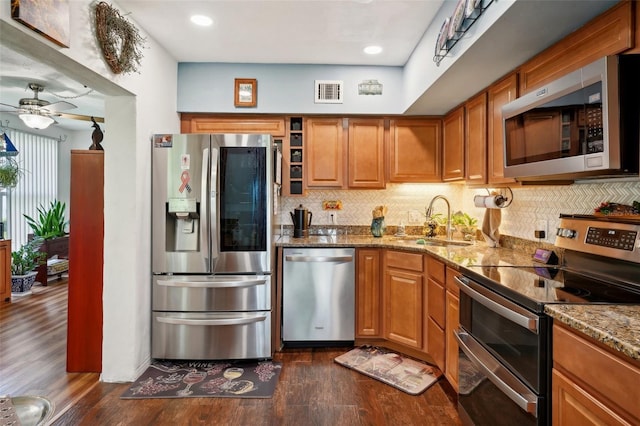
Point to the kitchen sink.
(431, 241)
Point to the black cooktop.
(533, 287)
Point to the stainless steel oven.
(504, 353)
(505, 339)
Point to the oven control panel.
(604, 238)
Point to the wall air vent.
(328, 92)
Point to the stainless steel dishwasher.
(318, 296)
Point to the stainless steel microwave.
(583, 124)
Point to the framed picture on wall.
(48, 18)
(246, 92)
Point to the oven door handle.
(497, 374)
(503, 307)
(215, 321)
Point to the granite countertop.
(477, 254)
(617, 326)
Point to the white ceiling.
(314, 32)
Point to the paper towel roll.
(489, 201)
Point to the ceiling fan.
(39, 114)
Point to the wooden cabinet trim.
(499, 94)
(608, 34)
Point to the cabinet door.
(573, 405)
(453, 146)
(5, 270)
(476, 139)
(499, 95)
(366, 153)
(208, 123)
(414, 150)
(453, 322)
(368, 284)
(403, 307)
(324, 152)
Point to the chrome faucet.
(429, 209)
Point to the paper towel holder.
(497, 199)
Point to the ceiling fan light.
(36, 121)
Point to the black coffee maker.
(301, 218)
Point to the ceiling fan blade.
(80, 117)
(60, 106)
(8, 108)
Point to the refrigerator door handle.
(204, 237)
(218, 321)
(213, 215)
(212, 284)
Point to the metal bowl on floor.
(30, 410)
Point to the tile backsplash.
(407, 203)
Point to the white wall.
(284, 89)
(137, 105)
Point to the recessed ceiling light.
(372, 50)
(203, 21)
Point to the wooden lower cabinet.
(592, 385)
(403, 289)
(452, 301)
(5, 270)
(368, 293)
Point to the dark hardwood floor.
(312, 390)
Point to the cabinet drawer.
(435, 269)
(603, 372)
(436, 297)
(451, 284)
(403, 260)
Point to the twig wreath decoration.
(119, 39)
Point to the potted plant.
(50, 222)
(50, 226)
(23, 263)
(10, 173)
(465, 224)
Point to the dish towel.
(490, 226)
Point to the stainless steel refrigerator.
(212, 217)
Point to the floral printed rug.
(406, 374)
(196, 379)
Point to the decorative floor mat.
(406, 374)
(196, 379)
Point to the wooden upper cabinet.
(453, 145)
(476, 139)
(324, 152)
(366, 153)
(208, 123)
(414, 150)
(499, 94)
(607, 34)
